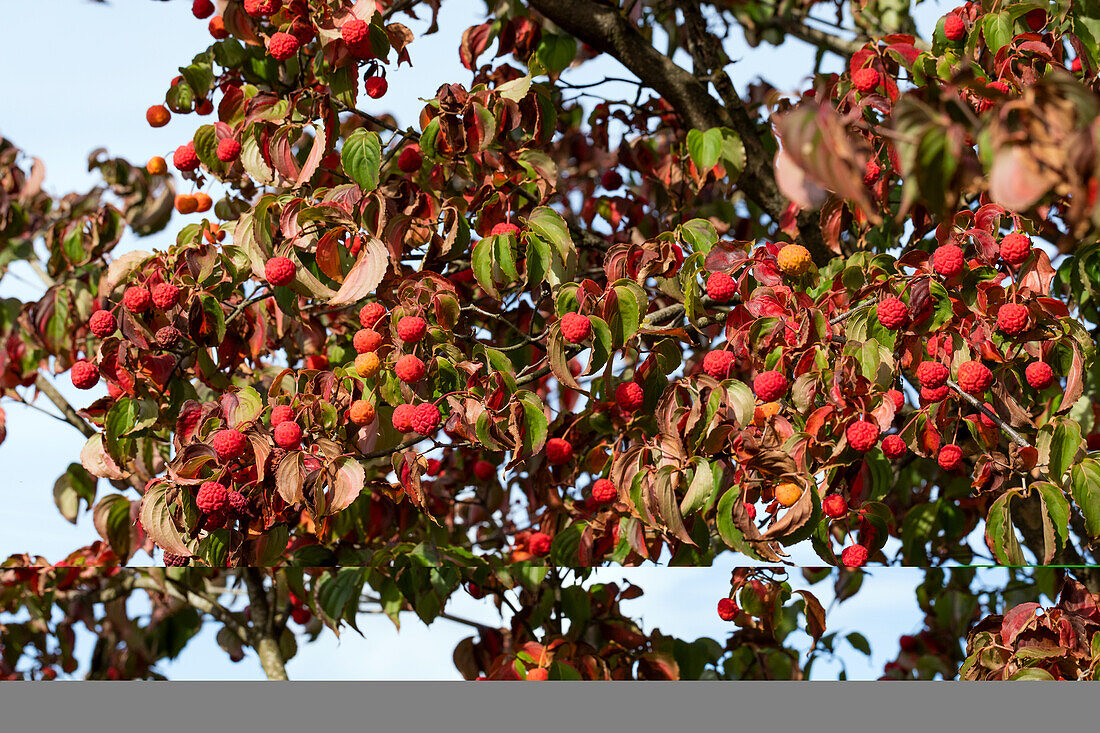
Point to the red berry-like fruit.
(539, 545)
(84, 374)
(538, 674)
(717, 364)
(282, 46)
(932, 374)
(409, 369)
(228, 150)
(185, 158)
(892, 313)
(410, 159)
(558, 451)
(935, 394)
(897, 398)
(281, 414)
(575, 328)
(165, 296)
(953, 27)
(854, 556)
(484, 470)
(260, 8)
(1015, 248)
(893, 446)
(411, 329)
(504, 228)
(721, 287)
(288, 435)
(1039, 374)
(770, 386)
(376, 87)
(280, 271)
(229, 444)
(948, 260)
(611, 180)
(102, 323)
(985, 419)
(157, 115)
(355, 32)
(212, 497)
(862, 435)
(202, 9)
(834, 506)
(871, 172)
(238, 502)
(168, 336)
(1075, 66)
(403, 417)
(974, 377)
(629, 396)
(366, 340)
(425, 419)
(999, 86)
(370, 313)
(1012, 319)
(727, 609)
(950, 457)
(865, 80)
(604, 492)
(137, 299)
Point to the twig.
(1016, 437)
(44, 386)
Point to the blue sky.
(81, 75)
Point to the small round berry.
(229, 444)
(366, 340)
(575, 327)
(893, 446)
(794, 260)
(102, 323)
(717, 364)
(282, 46)
(892, 313)
(204, 107)
(1015, 248)
(281, 414)
(1075, 66)
(953, 27)
(1039, 374)
(862, 435)
(854, 556)
(370, 313)
(84, 374)
(1012, 319)
(539, 544)
(186, 203)
(260, 8)
(834, 506)
(770, 386)
(974, 377)
(484, 470)
(871, 172)
(950, 457)
(238, 502)
(604, 491)
(355, 32)
(165, 296)
(611, 180)
(157, 115)
(202, 9)
(935, 394)
(288, 435)
(411, 329)
(897, 398)
(212, 497)
(504, 228)
(426, 418)
(721, 287)
(280, 271)
(866, 80)
(185, 158)
(558, 451)
(409, 369)
(137, 299)
(403, 418)
(156, 166)
(228, 150)
(629, 396)
(376, 87)
(367, 365)
(361, 413)
(168, 336)
(948, 260)
(787, 493)
(727, 609)
(410, 159)
(932, 374)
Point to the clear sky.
(80, 76)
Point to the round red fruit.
(974, 377)
(228, 150)
(935, 394)
(893, 446)
(282, 46)
(411, 329)
(288, 435)
(948, 260)
(402, 418)
(770, 386)
(1012, 319)
(575, 328)
(157, 115)
(862, 435)
(229, 444)
(202, 9)
(376, 87)
(892, 313)
(355, 32)
(897, 398)
(1015, 248)
(370, 313)
(165, 296)
(260, 8)
(611, 180)
(185, 158)
(102, 323)
(504, 228)
(854, 556)
(539, 545)
(950, 457)
(137, 299)
(932, 374)
(718, 363)
(84, 374)
(604, 492)
(425, 419)
(727, 609)
(558, 451)
(1039, 374)
(366, 340)
(866, 80)
(212, 497)
(629, 396)
(409, 369)
(280, 271)
(484, 470)
(953, 27)
(281, 414)
(721, 287)
(410, 159)
(168, 336)
(834, 506)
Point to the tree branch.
(263, 626)
(44, 386)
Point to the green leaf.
(1086, 494)
(71, 487)
(361, 157)
(482, 265)
(563, 550)
(1032, 673)
(1065, 443)
(536, 426)
(1000, 534)
(556, 52)
(704, 148)
(997, 30)
(428, 137)
(859, 642)
(700, 489)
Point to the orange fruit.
(787, 493)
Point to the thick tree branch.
(263, 626)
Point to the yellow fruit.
(787, 494)
(367, 365)
(794, 260)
